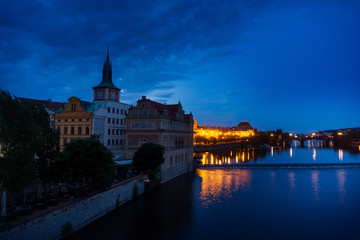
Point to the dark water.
(242, 204)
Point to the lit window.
(142, 141)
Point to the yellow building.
(243, 129)
(74, 120)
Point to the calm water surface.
(243, 204)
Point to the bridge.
(323, 138)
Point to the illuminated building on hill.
(223, 134)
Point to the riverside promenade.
(48, 223)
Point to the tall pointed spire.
(107, 73)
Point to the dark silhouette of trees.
(148, 157)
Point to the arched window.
(87, 131)
(72, 131)
(79, 131)
(65, 130)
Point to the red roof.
(46, 103)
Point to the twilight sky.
(288, 64)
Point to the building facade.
(109, 112)
(74, 120)
(104, 117)
(167, 125)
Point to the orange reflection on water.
(218, 185)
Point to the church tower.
(106, 90)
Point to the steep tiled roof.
(46, 103)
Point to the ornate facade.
(75, 120)
(167, 125)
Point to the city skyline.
(277, 65)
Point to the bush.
(67, 229)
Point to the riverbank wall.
(76, 215)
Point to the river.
(211, 203)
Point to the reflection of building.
(74, 121)
(167, 125)
(105, 116)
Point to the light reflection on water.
(218, 185)
(341, 177)
(315, 152)
(315, 184)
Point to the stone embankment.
(75, 214)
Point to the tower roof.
(107, 74)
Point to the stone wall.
(79, 214)
(174, 171)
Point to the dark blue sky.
(278, 64)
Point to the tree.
(148, 157)
(17, 130)
(86, 160)
(45, 144)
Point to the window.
(108, 109)
(87, 131)
(87, 119)
(113, 120)
(176, 159)
(112, 142)
(79, 131)
(65, 120)
(65, 130)
(73, 120)
(122, 111)
(113, 132)
(182, 157)
(109, 132)
(142, 141)
(117, 121)
(109, 120)
(186, 157)
(171, 161)
(117, 132)
(121, 141)
(113, 110)
(122, 122)
(72, 131)
(73, 107)
(99, 95)
(117, 111)
(117, 141)
(65, 141)
(58, 130)
(108, 141)
(59, 120)
(80, 120)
